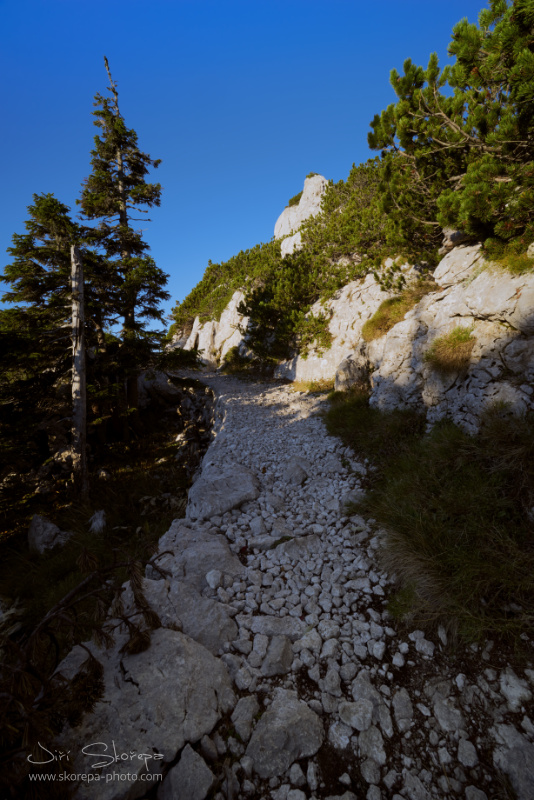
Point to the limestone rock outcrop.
(348, 311)
(498, 307)
(140, 715)
(288, 223)
(216, 337)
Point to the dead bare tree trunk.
(79, 398)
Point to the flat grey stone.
(339, 735)
(414, 788)
(179, 604)
(515, 690)
(286, 732)
(219, 489)
(402, 709)
(472, 793)
(371, 745)
(358, 715)
(516, 760)
(189, 554)
(243, 716)
(279, 657)
(448, 716)
(190, 779)
(467, 754)
(370, 771)
(277, 626)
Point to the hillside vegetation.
(456, 150)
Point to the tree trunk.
(79, 399)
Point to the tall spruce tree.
(39, 283)
(116, 187)
(35, 333)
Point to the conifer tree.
(463, 156)
(116, 187)
(39, 280)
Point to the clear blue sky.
(239, 98)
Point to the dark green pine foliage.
(117, 187)
(35, 343)
(458, 144)
(38, 278)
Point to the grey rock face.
(352, 370)
(43, 535)
(289, 730)
(309, 205)
(138, 711)
(152, 384)
(190, 779)
(215, 338)
(451, 239)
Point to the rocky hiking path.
(278, 673)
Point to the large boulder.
(219, 489)
(190, 779)
(189, 553)
(154, 703)
(180, 606)
(289, 730)
(451, 239)
(43, 535)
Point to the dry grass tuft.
(457, 510)
(393, 310)
(452, 351)
(313, 387)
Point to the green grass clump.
(510, 256)
(394, 309)
(516, 263)
(234, 362)
(313, 387)
(452, 351)
(294, 200)
(456, 509)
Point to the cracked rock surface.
(299, 686)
